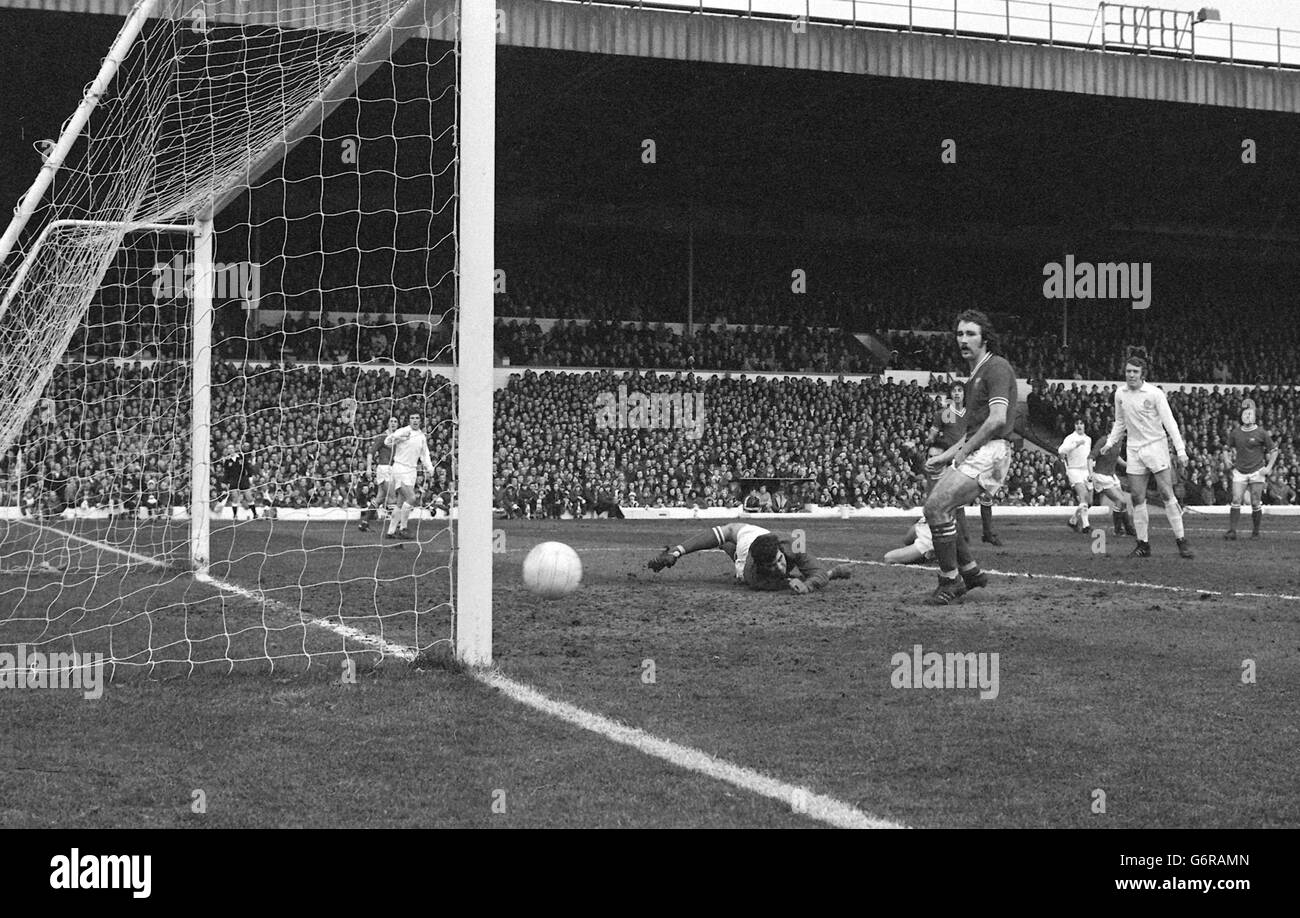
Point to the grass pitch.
(1106, 683)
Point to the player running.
(410, 450)
(946, 430)
(978, 463)
(1142, 412)
(762, 560)
(382, 455)
(1074, 452)
(1104, 476)
(1253, 455)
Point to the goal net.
(240, 261)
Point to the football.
(552, 569)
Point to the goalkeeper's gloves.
(666, 558)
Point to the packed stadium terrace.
(112, 436)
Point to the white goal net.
(239, 264)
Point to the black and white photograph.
(679, 414)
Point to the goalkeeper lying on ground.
(763, 560)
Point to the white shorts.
(402, 479)
(1077, 476)
(1102, 482)
(1154, 457)
(745, 537)
(383, 473)
(1255, 477)
(989, 465)
(924, 539)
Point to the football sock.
(959, 516)
(1083, 515)
(404, 514)
(986, 518)
(963, 552)
(1175, 515)
(1234, 516)
(392, 522)
(1118, 519)
(945, 548)
(1128, 518)
(1140, 520)
(1256, 515)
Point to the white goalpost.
(148, 394)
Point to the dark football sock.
(1255, 517)
(1234, 517)
(959, 517)
(986, 518)
(945, 548)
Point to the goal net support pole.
(72, 129)
(473, 538)
(201, 397)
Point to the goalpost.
(199, 111)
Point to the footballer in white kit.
(1074, 452)
(1142, 414)
(410, 450)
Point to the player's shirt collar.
(983, 360)
(1245, 429)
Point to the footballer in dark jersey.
(1253, 455)
(978, 463)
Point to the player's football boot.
(947, 592)
(391, 535)
(1141, 550)
(404, 533)
(841, 572)
(1086, 530)
(992, 538)
(1230, 535)
(1072, 524)
(974, 579)
(1183, 550)
(1255, 534)
(363, 526)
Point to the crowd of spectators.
(111, 435)
(115, 437)
(610, 344)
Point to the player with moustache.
(978, 463)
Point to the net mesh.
(321, 139)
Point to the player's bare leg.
(958, 571)
(1234, 510)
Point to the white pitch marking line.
(820, 807)
(816, 806)
(1071, 579)
(143, 559)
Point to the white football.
(552, 569)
